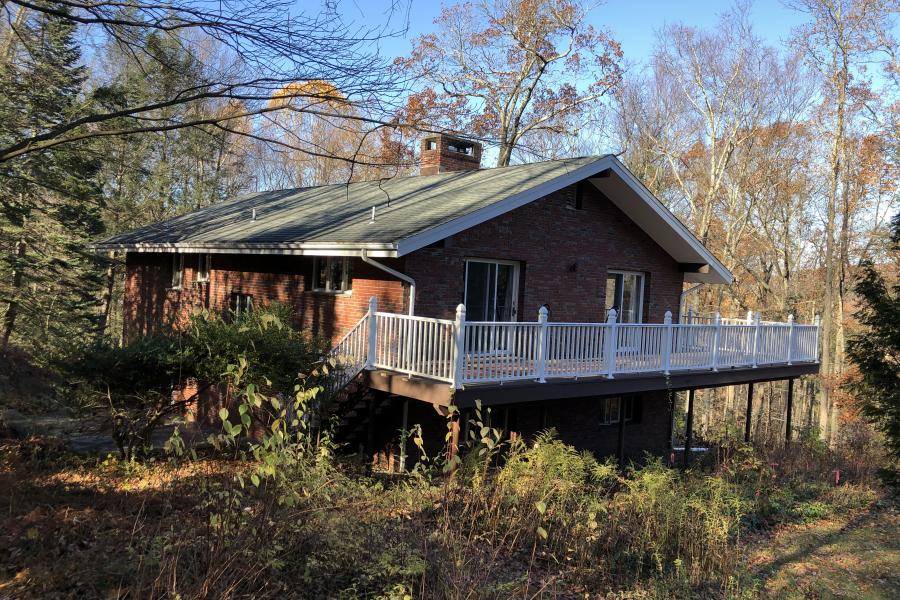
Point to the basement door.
(492, 290)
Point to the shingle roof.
(341, 214)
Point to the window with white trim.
(332, 274)
(203, 268)
(240, 303)
(177, 271)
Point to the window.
(431, 145)
(203, 268)
(625, 293)
(332, 274)
(177, 271)
(609, 410)
(240, 303)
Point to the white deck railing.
(461, 352)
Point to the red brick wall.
(149, 302)
(548, 237)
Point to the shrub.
(135, 382)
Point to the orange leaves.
(510, 69)
(316, 91)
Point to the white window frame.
(514, 309)
(203, 260)
(642, 287)
(177, 271)
(329, 287)
(241, 298)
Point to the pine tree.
(49, 201)
(876, 350)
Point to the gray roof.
(341, 214)
(410, 213)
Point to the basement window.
(177, 271)
(609, 410)
(203, 268)
(240, 304)
(332, 274)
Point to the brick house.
(549, 291)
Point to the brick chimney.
(443, 153)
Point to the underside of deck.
(512, 392)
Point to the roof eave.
(375, 249)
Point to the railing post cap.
(718, 318)
(667, 317)
(791, 318)
(611, 317)
(543, 312)
(756, 317)
(460, 309)
(373, 302)
(817, 320)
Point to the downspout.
(683, 296)
(398, 275)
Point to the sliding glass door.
(625, 293)
(492, 290)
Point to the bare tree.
(269, 45)
(510, 69)
(841, 37)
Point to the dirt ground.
(854, 556)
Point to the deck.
(438, 358)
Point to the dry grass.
(75, 527)
(72, 528)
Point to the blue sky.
(632, 23)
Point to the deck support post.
(404, 435)
(459, 346)
(620, 446)
(541, 366)
(667, 349)
(370, 432)
(789, 411)
(790, 348)
(748, 418)
(373, 333)
(755, 338)
(717, 335)
(453, 447)
(611, 342)
(689, 429)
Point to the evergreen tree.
(876, 350)
(49, 201)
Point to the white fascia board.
(445, 230)
(307, 249)
(724, 275)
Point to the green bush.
(135, 382)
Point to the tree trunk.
(9, 319)
(829, 314)
(106, 302)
